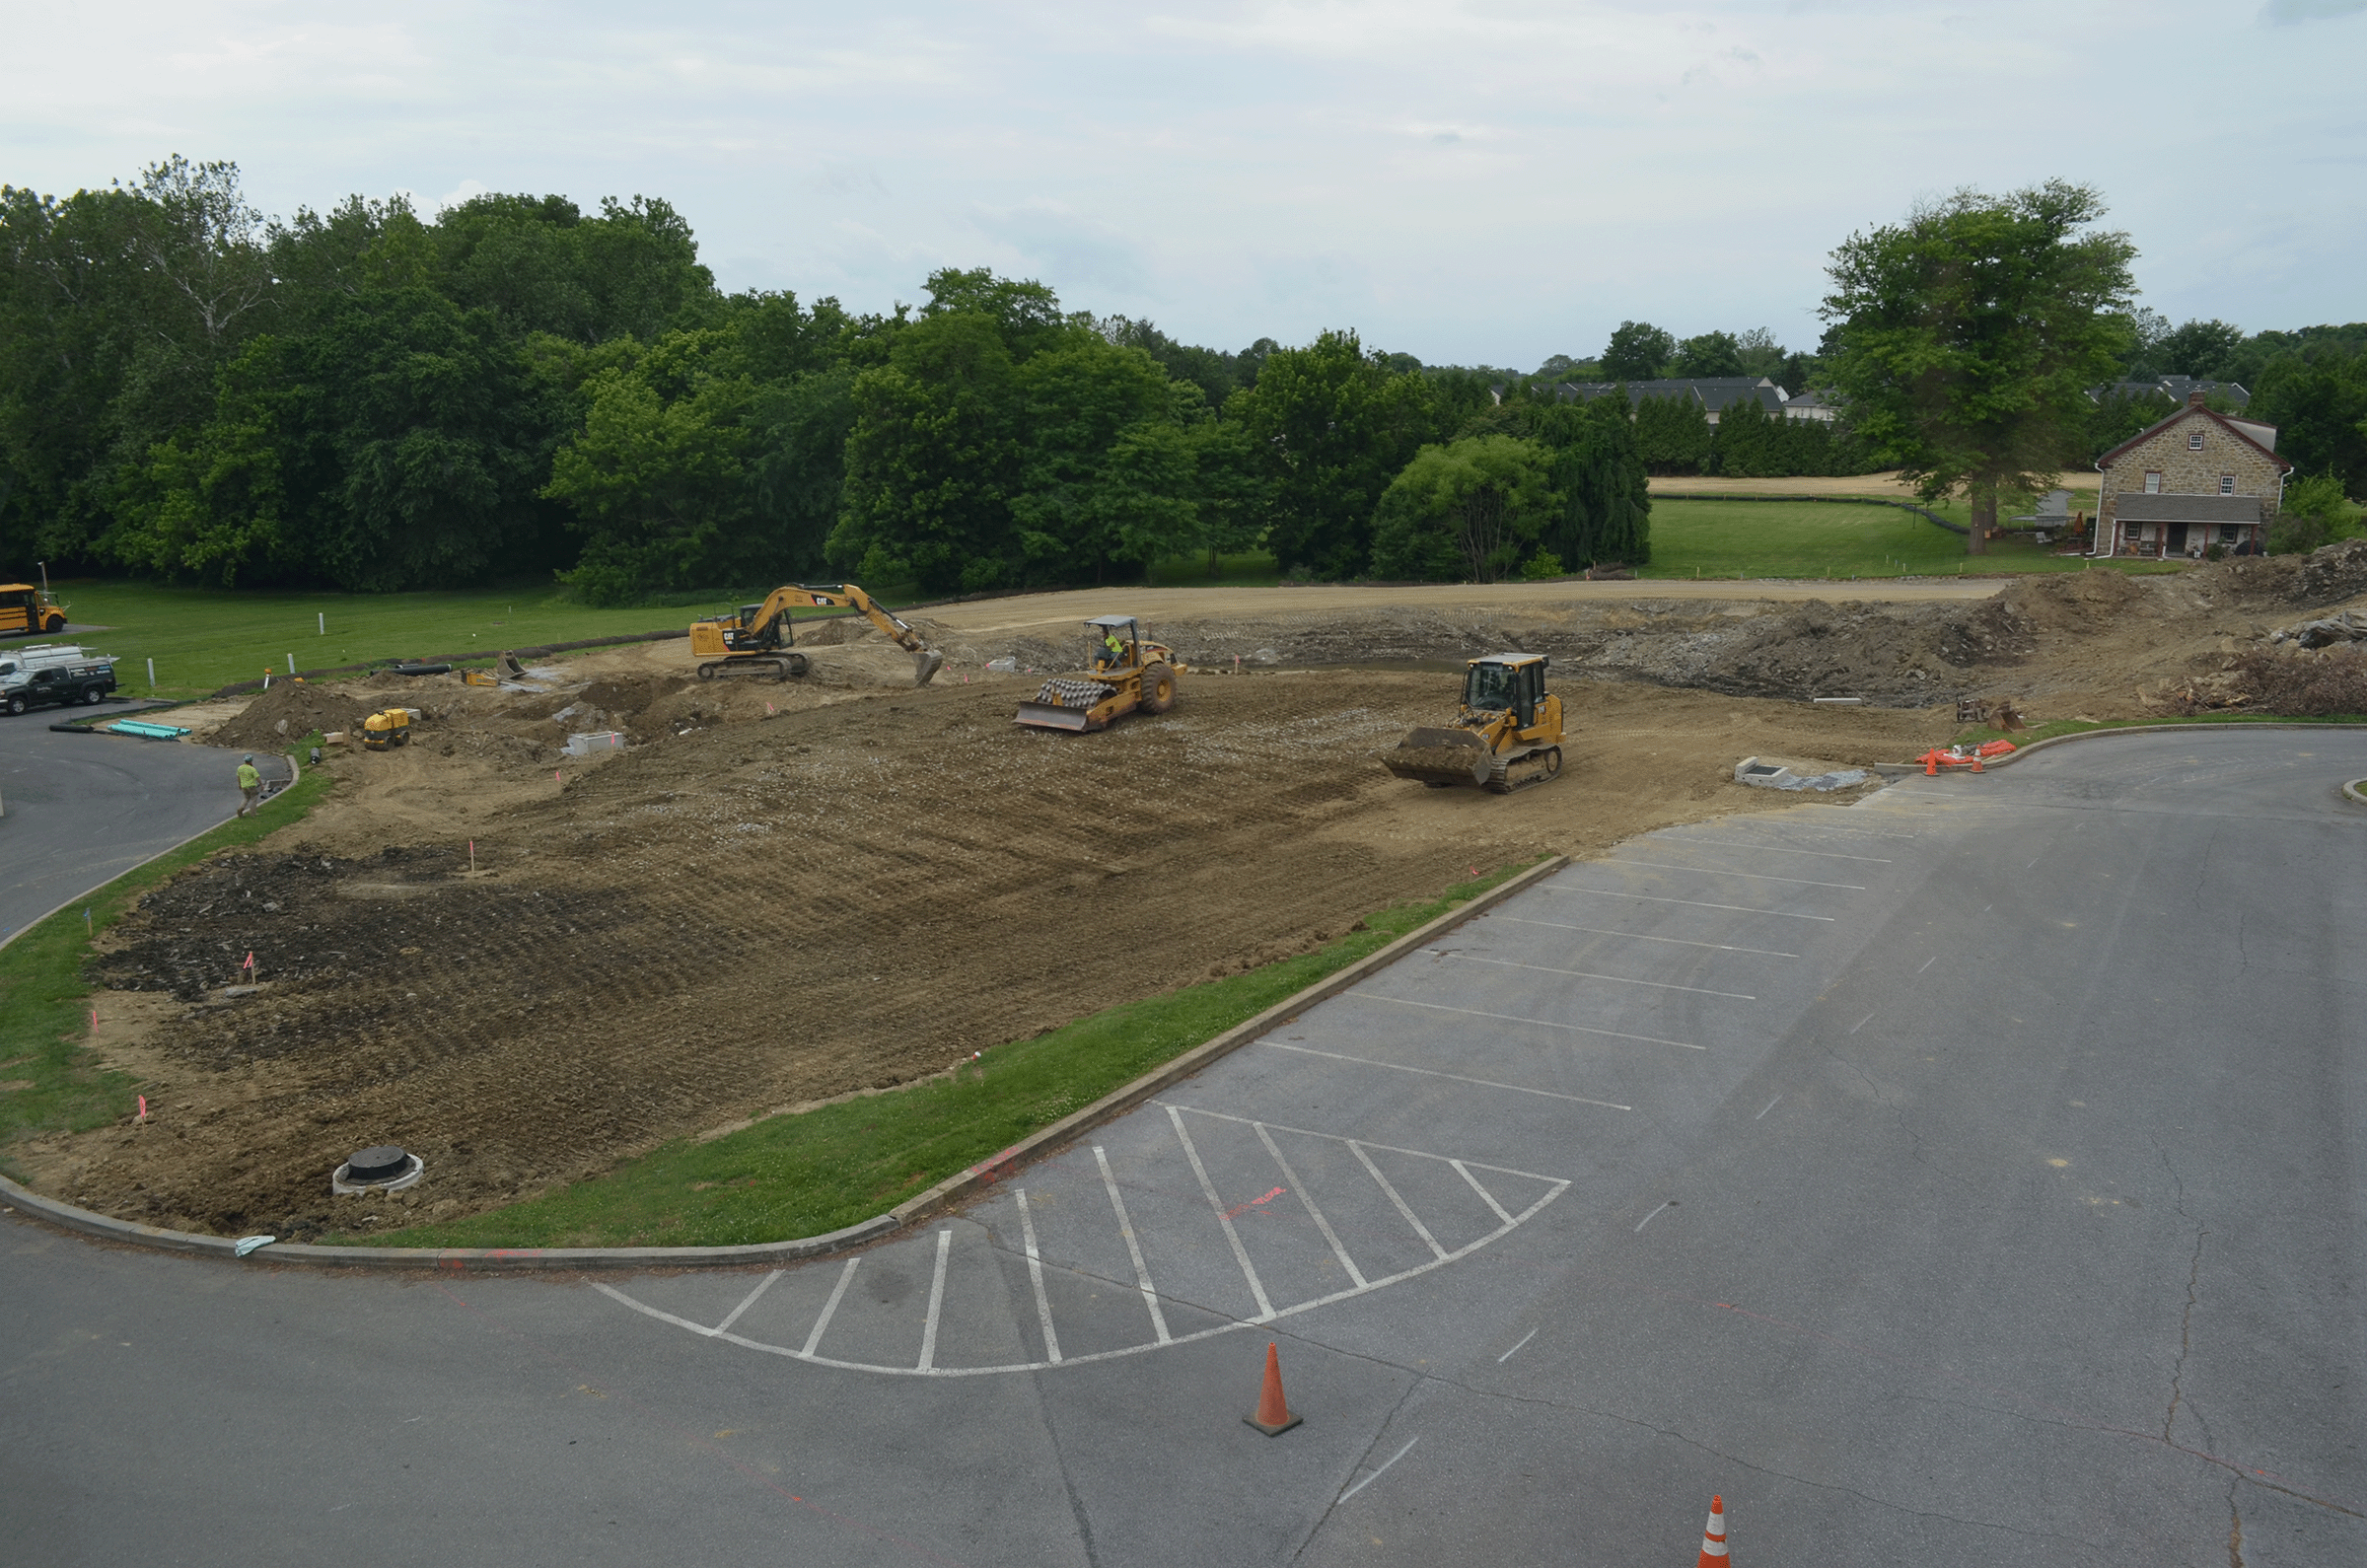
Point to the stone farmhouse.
(2195, 479)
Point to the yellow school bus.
(26, 608)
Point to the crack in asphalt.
(2185, 1321)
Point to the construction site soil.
(523, 966)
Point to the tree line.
(378, 400)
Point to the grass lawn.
(1809, 539)
(44, 1009)
(821, 1169)
(204, 638)
(1981, 734)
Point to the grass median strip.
(812, 1172)
(1979, 735)
(48, 1066)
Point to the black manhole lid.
(382, 1164)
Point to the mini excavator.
(759, 638)
(1507, 734)
(1123, 673)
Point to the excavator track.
(1519, 771)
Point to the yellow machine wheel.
(1158, 688)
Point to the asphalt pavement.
(81, 809)
(1966, 1176)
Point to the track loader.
(1123, 674)
(1506, 735)
(759, 637)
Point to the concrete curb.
(518, 1260)
(1901, 770)
(2353, 792)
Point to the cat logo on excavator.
(1506, 735)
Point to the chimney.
(2195, 398)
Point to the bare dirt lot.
(779, 893)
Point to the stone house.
(2195, 479)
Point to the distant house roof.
(2250, 432)
(1712, 393)
(2188, 508)
(2176, 388)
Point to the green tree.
(1672, 433)
(1334, 428)
(2319, 406)
(1636, 351)
(1712, 354)
(932, 459)
(1470, 511)
(1971, 332)
(1105, 477)
(2201, 349)
(1598, 471)
(542, 265)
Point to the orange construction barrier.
(1274, 1418)
(1713, 1537)
(1970, 756)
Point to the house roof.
(2174, 386)
(2188, 508)
(2251, 432)
(1813, 400)
(1713, 393)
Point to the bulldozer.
(1123, 674)
(1506, 736)
(759, 637)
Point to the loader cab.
(1506, 680)
(1106, 630)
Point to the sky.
(1470, 182)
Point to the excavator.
(759, 636)
(1123, 674)
(1506, 735)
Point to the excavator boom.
(760, 631)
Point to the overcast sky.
(1470, 182)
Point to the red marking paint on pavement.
(1253, 1202)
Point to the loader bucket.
(925, 665)
(1440, 756)
(1052, 716)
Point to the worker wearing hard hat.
(250, 785)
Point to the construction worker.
(1113, 652)
(250, 785)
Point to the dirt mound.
(287, 713)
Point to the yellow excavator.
(1124, 672)
(1506, 735)
(759, 638)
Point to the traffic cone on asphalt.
(1274, 1417)
(1713, 1537)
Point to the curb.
(485, 1261)
(1900, 769)
(2353, 791)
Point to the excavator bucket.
(925, 665)
(1440, 756)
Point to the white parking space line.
(1729, 909)
(928, 1328)
(1432, 1072)
(1638, 936)
(1862, 1023)
(1374, 1171)
(1306, 1200)
(1043, 1304)
(1508, 1018)
(1342, 1137)
(1514, 1350)
(1376, 1476)
(748, 1300)
(1753, 876)
(1125, 1228)
(1485, 1196)
(1587, 974)
(1772, 849)
(1826, 827)
(1769, 1105)
(1240, 1253)
(1649, 1217)
(830, 1309)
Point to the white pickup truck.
(47, 673)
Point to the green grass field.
(204, 638)
(1812, 540)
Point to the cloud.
(465, 191)
(2291, 12)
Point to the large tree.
(1969, 333)
(1636, 352)
(1334, 426)
(1471, 511)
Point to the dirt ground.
(782, 892)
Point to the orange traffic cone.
(1274, 1418)
(1713, 1537)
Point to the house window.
(2153, 482)
(2193, 441)
(2227, 484)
